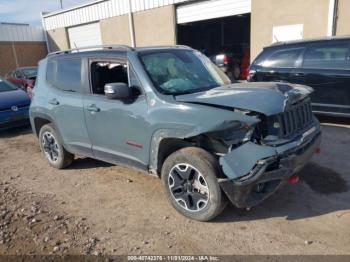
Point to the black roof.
(306, 41)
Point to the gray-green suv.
(171, 112)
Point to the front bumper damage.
(254, 172)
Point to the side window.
(328, 56)
(105, 72)
(18, 74)
(285, 58)
(64, 74)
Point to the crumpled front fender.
(241, 160)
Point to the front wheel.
(190, 182)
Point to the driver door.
(118, 129)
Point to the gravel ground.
(96, 208)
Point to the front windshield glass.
(30, 72)
(6, 86)
(175, 71)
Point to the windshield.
(30, 72)
(177, 72)
(6, 86)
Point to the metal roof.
(10, 32)
(98, 10)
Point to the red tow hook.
(293, 179)
(318, 151)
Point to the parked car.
(233, 61)
(171, 112)
(24, 77)
(322, 64)
(14, 105)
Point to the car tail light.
(244, 74)
(226, 60)
(251, 75)
(293, 179)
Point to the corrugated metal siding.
(9, 32)
(100, 10)
(211, 9)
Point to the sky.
(28, 11)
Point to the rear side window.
(284, 58)
(64, 74)
(333, 56)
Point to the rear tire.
(189, 177)
(52, 148)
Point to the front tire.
(52, 148)
(190, 182)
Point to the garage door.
(85, 35)
(211, 9)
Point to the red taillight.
(251, 75)
(226, 60)
(293, 179)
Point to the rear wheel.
(52, 148)
(190, 182)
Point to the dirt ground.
(96, 208)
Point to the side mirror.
(117, 91)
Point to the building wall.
(115, 30)
(58, 39)
(155, 26)
(18, 54)
(343, 23)
(269, 13)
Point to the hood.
(17, 98)
(268, 98)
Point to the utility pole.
(131, 26)
(61, 4)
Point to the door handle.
(93, 108)
(54, 101)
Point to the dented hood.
(269, 98)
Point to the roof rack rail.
(92, 48)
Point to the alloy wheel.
(188, 187)
(50, 147)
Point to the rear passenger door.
(280, 65)
(326, 69)
(64, 100)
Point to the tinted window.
(18, 74)
(327, 56)
(6, 86)
(30, 72)
(64, 74)
(284, 58)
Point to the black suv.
(322, 64)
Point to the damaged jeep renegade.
(171, 112)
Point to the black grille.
(296, 118)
